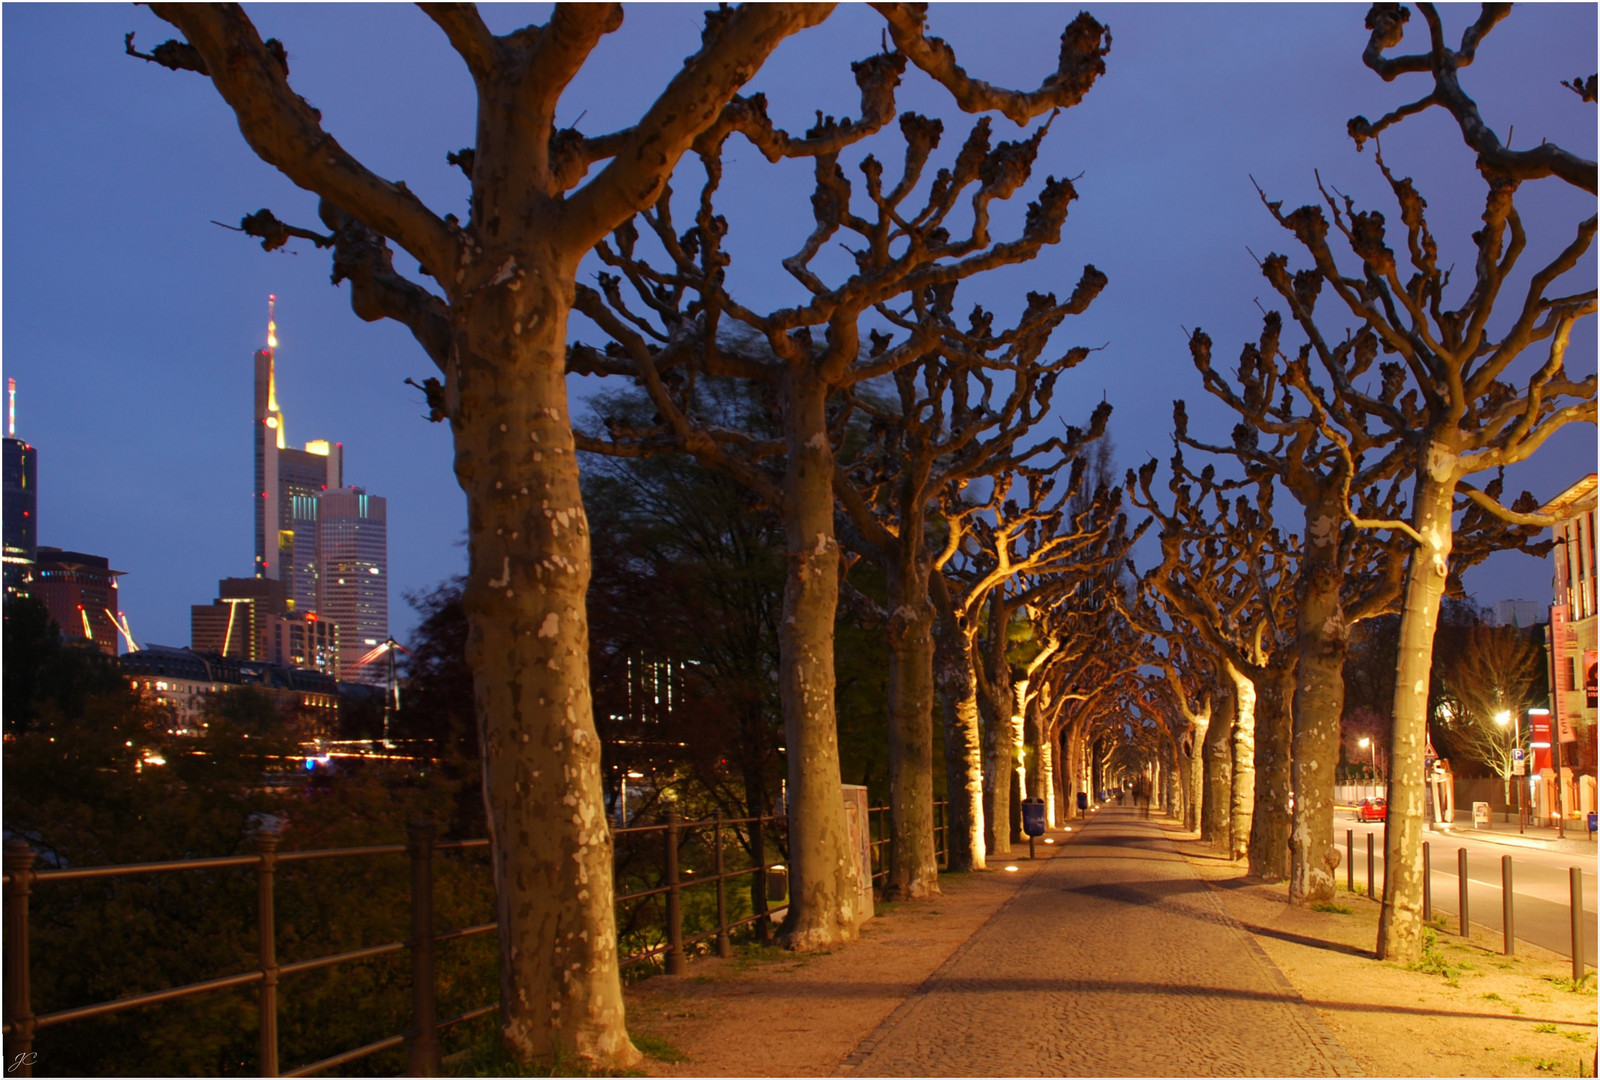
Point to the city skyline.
(126, 360)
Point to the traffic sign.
(1516, 754)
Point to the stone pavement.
(1115, 959)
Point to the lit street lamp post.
(1504, 717)
(1364, 743)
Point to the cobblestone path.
(1115, 960)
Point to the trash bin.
(1033, 817)
(1083, 800)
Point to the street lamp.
(622, 801)
(1365, 742)
(1503, 718)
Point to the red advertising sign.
(1539, 723)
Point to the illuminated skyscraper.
(21, 507)
(287, 485)
(325, 543)
(353, 558)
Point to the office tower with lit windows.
(353, 563)
(288, 483)
(324, 543)
(21, 507)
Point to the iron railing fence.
(672, 899)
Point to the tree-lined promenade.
(771, 505)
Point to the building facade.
(1573, 648)
(80, 592)
(187, 683)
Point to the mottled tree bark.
(1270, 824)
(1194, 769)
(1323, 639)
(823, 872)
(528, 575)
(914, 869)
(998, 773)
(1242, 795)
(1400, 922)
(963, 750)
(1215, 817)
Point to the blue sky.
(129, 318)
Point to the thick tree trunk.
(1322, 641)
(914, 869)
(1195, 770)
(1400, 923)
(824, 901)
(1270, 825)
(998, 774)
(1218, 762)
(963, 755)
(528, 540)
(1052, 780)
(1242, 795)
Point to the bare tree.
(808, 358)
(1230, 573)
(494, 320)
(1489, 682)
(1476, 401)
(946, 423)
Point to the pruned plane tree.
(966, 411)
(1479, 381)
(490, 308)
(1229, 571)
(671, 307)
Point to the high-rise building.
(80, 592)
(353, 556)
(21, 507)
(325, 544)
(288, 483)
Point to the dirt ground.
(1475, 1013)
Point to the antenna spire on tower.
(272, 325)
(11, 408)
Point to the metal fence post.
(674, 900)
(267, 849)
(1506, 919)
(1461, 877)
(1575, 876)
(1349, 860)
(422, 1051)
(724, 946)
(1372, 871)
(18, 992)
(1427, 883)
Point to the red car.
(1373, 810)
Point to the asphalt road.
(1540, 885)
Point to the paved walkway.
(1114, 960)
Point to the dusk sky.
(130, 319)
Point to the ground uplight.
(1048, 840)
(1011, 869)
